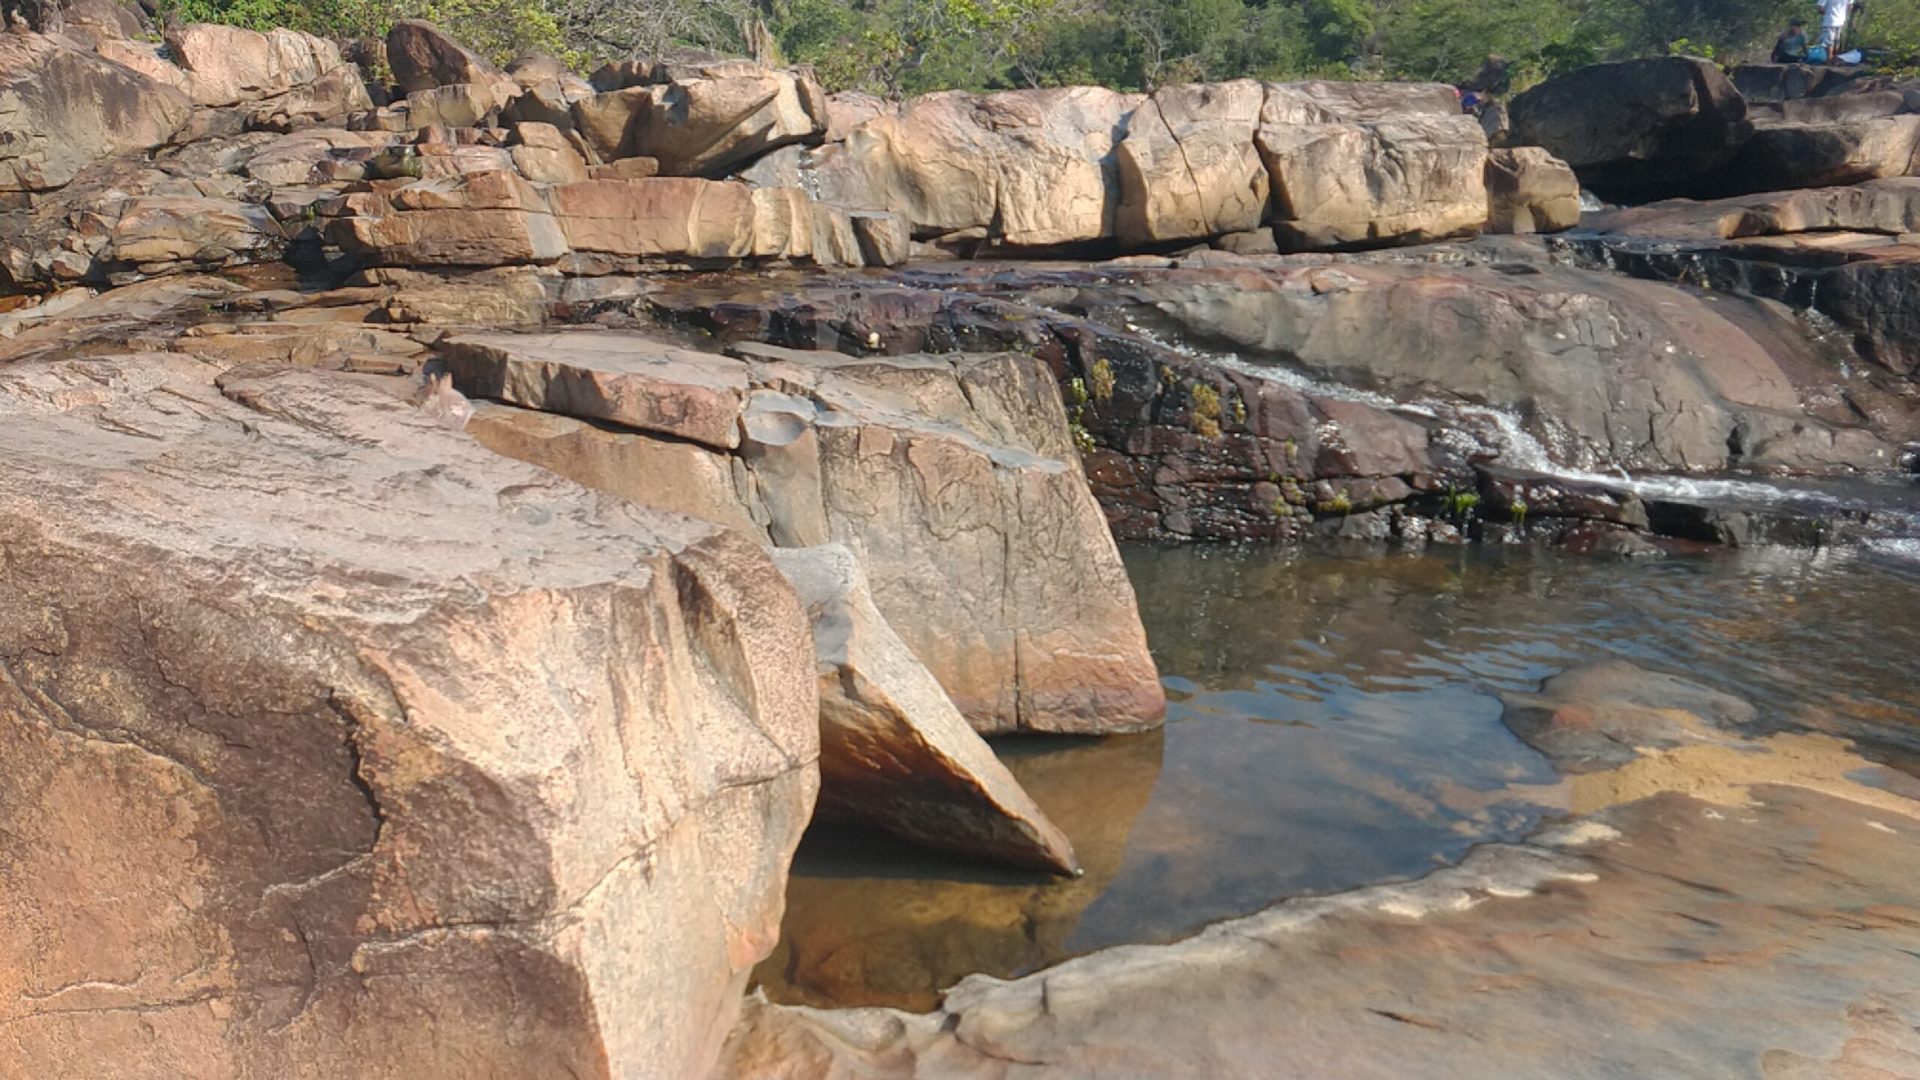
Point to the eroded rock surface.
(1470, 970)
(953, 479)
(380, 773)
(894, 752)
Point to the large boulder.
(684, 217)
(1798, 155)
(894, 752)
(487, 219)
(1530, 191)
(63, 109)
(301, 780)
(953, 479)
(705, 120)
(1405, 180)
(1023, 169)
(1189, 167)
(227, 65)
(1638, 127)
(423, 57)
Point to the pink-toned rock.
(63, 109)
(1530, 191)
(226, 65)
(303, 781)
(894, 752)
(678, 217)
(625, 379)
(1336, 185)
(953, 479)
(486, 219)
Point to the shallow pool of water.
(1335, 721)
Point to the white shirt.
(1833, 13)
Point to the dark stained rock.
(1636, 128)
(424, 57)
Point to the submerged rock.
(894, 752)
(1471, 970)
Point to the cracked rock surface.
(338, 745)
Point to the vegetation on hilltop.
(898, 47)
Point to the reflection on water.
(1334, 722)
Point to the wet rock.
(869, 922)
(1530, 191)
(1691, 896)
(1639, 127)
(65, 109)
(894, 752)
(1604, 715)
(539, 789)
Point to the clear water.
(1335, 722)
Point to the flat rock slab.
(626, 379)
(894, 752)
(1669, 918)
(332, 743)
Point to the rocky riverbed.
(461, 532)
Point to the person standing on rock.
(1791, 48)
(1833, 24)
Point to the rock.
(456, 105)
(681, 217)
(848, 109)
(423, 57)
(606, 120)
(1791, 155)
(1395, 181)
(1188, 166)
(884, 239)
(205, 232)
(64, 109)
(951, 478)
(541, 790)
(1395, 981)
(1606, 714)
(894, 752)
(1530, 191)
(227, 65)
(1792, 82)
(933, 927)
(612, 377)
(542, 154)
(706, 121)
(1640, 128)
(633, 168)
(1027, 169)
(1602, 371)
(487, 219)
(1337, 102)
